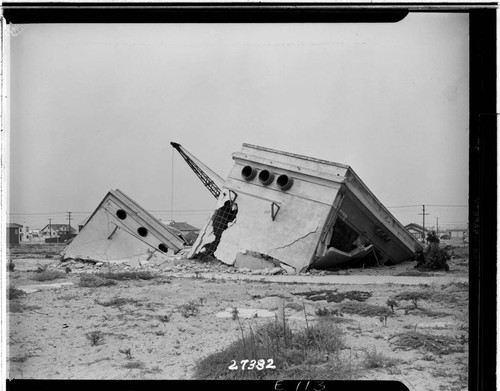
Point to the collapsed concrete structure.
(120, 230)
(279, 208)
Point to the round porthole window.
(284, 182)
(121, 214)
(248, 173)
(142, 231)
(266, 177)
(163, 247)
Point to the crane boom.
(205, 179)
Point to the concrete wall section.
(291, 238)
(372, 206)
(300, 212)
(93, 243)
(294, 224)
(119, 229)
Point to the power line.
(44, 213)
(440, 206)
(209, 210)
(64, 213)
(449, 206)
(185, 210)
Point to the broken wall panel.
(296, 209)
(283, 224)
(121, 230)
(290, 238)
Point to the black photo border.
(482, 152)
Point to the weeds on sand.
(364, 309)
(413, 273)
(93, 281)
(155, 370)
(131, 275)
(133, 365)
(189, 309)
(14, 293)
(164, 318)
(333, 296)
(414, 296)
(312, 352)
(375, 359)
(20, 359)
(437, 344)
(117, 302)
(433, 314)
(15, 307)
(47, 275)
(391, 303)
(95, 337)
(295, 306)
(326, 312)
(126, 352)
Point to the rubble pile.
(175, 265)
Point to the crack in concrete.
(296, 240)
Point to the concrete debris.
(253, 260)
(276, 270)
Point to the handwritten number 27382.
(252, 364)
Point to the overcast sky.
(95, 107)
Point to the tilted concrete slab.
(293, 208)
(121, 230)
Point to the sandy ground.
(48, 336)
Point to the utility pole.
(437, 226)
(69, 223)
(50, 227)
(423, 221)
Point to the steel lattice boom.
(205, 179)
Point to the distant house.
(189, 232)
(415, 230)
(82, 224)
(35, 233)
(52, 230)
(457, 232)
(14, 233)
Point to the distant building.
(82, 224)
(35, 233)
(457, 232)
(416, 230)
(14, 233)
(188, 232)
(52, 230)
